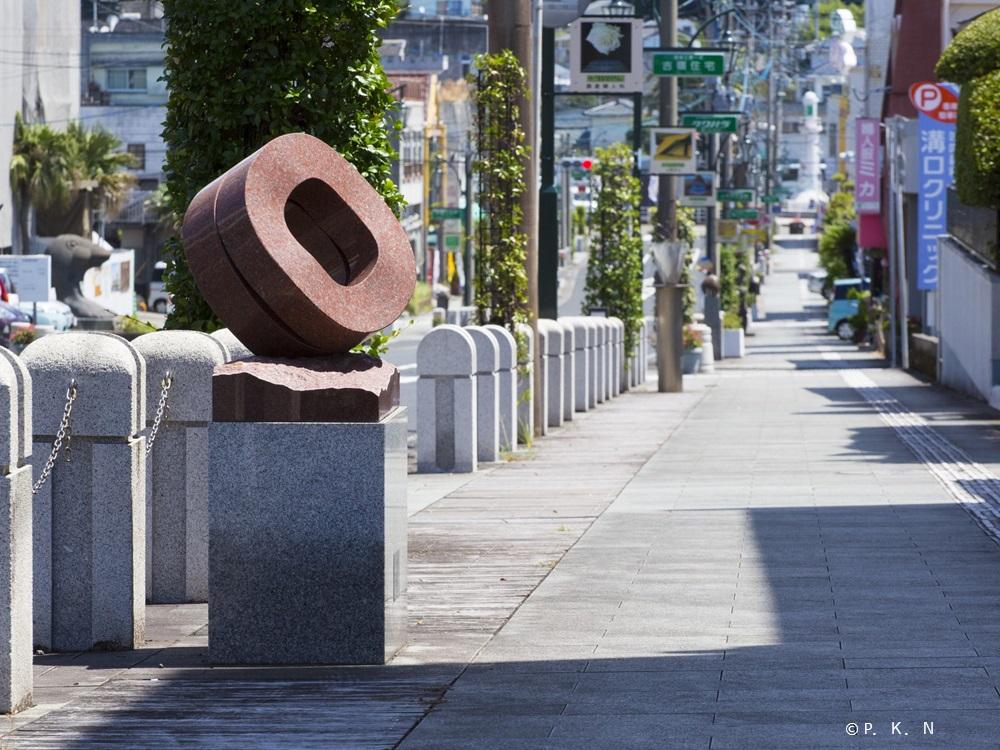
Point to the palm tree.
(98, 166)
(40, 171)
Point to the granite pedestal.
(617, 356)
(177, 467)
(446, 398)
(90, 516)
(506, 385)
(487, 394)
(307, 561)
(15, 534)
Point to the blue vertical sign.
(938, 106)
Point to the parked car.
(159, 299)
(10, 316)
(843, 307)
(53, 313)
(817, 279)
(796, 226)
(8, 291)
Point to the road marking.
(971, 484)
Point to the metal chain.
(64, 434)
(161, 408)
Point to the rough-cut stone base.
(307, 550)
(15, 590)
(338, 388)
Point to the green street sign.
(783, 191)
(771, 198)
(452, 242)
(689, 62)
(447, 212)
(736, 195)
(711, 122)
(743, 213)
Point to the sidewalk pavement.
(796, 549)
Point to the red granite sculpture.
(301, 258)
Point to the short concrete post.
(506, 385)
(525, 380)
(543, 363)
(90, 516)
(600, 359)
(636, 355)
(569, 370)
(15, 534)
(446, 401)
(177, 468)
(644, 351)
(707, 348)
(235, 348)
(581, 361)
(592, 360)
(554, 363)
(487, 394)
(617, 359)
(609, 359)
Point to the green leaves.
(974, 52)
(614, 269)
(244, 72)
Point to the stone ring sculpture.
(296, 253)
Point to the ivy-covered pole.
(501, 276)
(243, 72)
(614, 269)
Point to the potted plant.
(733, 342)
(691, 357)
(21, 338)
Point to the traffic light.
(580, 167)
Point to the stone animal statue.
(71, 257)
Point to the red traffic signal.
(587, 164)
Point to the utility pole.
(666, 199)
(511, 24)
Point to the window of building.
(127, 79)
(138, 151)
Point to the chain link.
(63, 435)
(161, 408)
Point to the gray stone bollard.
(707, 348)
(609, 359)
(506, 385)
(487, 394)
(446, 401)
(644, 350)
(525, 380)
(635, 356)
(543, 363)
(581, 361)
(553, 382)
(15, 533)
(569, 370)
(90, 516)
(617, 358)
(600, 359)
(177, 466)
(235, 348)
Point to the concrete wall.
(969, 323)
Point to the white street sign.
(32, 275)
(672, 150)
(606, 55)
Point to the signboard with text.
(938, 107)
(744, 213)
(698, 190)
(868, 169)
(689, 62)
(606, 55)
(672, 151)
(736, 195)
(712, 122)
(441, 213)
(32, 275)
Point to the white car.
(53, 313)
(159, 299)
(816, 281)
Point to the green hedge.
(974, 52)
(243, 72)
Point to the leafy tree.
(243, 72)
(98, 163)
(614, 269)
(40, 171)
(501, 278)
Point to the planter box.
(924, 354)
(691, 361)
(733, 343)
